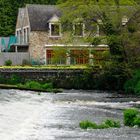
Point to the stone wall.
(60, 78)
(37, 42)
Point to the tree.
(108, 15)
(9, 11)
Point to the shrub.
(33, 85)
(8, 63)
(87, 124)
(130, 116)
(137, 121)
(2, 79)
(137, 88)
(107, 124)
(129, 86)
(112, 123)
(14, 79)
(133, 85)
(47, 86)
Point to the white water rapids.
(25, 115)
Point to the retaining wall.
(60, 78)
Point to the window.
(79, 29)
(79, 56)
(124, 20)
(24, 34)
(55, 57)
(55, 29)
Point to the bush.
(133, 85)
(2, 79)
(87, 124)
(107, 124)
(112, 123)
(38, 86)
(8, 63)
(33, 85)
(114, 76)
(130, 116)
(47, 86)
(137, 121)
(14, 79)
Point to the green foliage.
(96, 41)
(112, 123)
(132, 28)
(137, 121)
(87, 124)
(8, 63)
(9, 11)
(14, 79)
(47, 86)
(113, 76)
(37, 86)
(133, 85)
(2, 79)
(130, 117)
(107, 124)
(115, 44)
(33, 85)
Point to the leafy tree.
(107, 15)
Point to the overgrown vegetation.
(123, 41)
(36, 85)
(106, 124)
(131, 119)
(133, 84)
(17, 81)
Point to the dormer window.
(79, 29)
(55, 26)
(124, 20)
(55, 30)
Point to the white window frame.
(124, 20)
(21, 35)
(60, 29)
(83, 30)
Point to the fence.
(16, 58)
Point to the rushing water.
(26, 115)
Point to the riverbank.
(6, 86)
(112, 78)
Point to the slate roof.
(39, 16)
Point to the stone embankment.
(61, 78)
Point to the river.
(28, 115)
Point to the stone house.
(39, 31)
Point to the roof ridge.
(40, 5)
